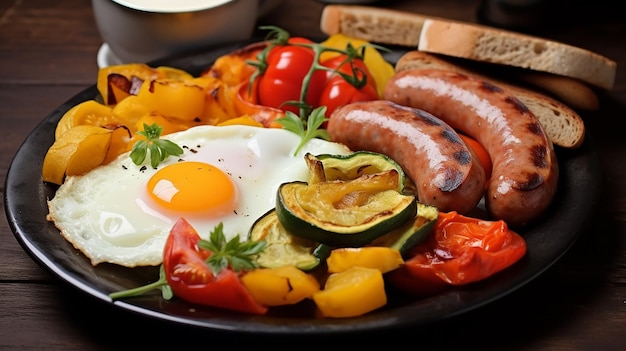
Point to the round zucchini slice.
(282, 248)
(352, 166)
(345, 213)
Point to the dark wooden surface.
(48, 54)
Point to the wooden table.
(48, 54)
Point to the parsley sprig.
(294, 124)
(159, 149)
(232, 254)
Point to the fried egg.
(122, 213)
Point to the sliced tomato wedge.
(192, 280)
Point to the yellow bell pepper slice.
(113, 93)
(219, 97)
(166, 72)
(379, 68)
(120, 142)
(130, 110)
(284, 285)
(114, 82)
(89, 112)
(242, 120)
(169, 125)
(384, 259)
(173, 98)
(76, 152)
(353, 292)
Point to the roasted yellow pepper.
(284, 285)
(114, 82)
(130, 110)
(173, 98)
(353, 292)
(384, 259)
(76, 152)
(219, 105)
(89, 112)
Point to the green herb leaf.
(159, 149)
(313, 128)
(233, 253)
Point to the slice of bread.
(488, 44)
(373, 24)
(562, 124)
(572, 92)
(394, 27)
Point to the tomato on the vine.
(282, 80)
(339, 91)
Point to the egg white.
(107, 214)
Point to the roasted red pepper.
(460, 251)
(191, 278)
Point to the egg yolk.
(193, 187)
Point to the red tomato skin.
(338, 92)
(460, 251)
(340, 63)
(192, 280)
(287, 66)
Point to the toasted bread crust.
(562, 124)
(569, 84)
(488, 44)
(376, 25)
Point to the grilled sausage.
(446, 173)
(525, 169)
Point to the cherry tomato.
(460, 251)
(338, 91)
(192, 280)
(287, 66)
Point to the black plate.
(25, 202)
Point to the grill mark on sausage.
(535, 128)
(539, 156)
(462, 157)
(533, 181)
(450, 136)
(490, 87)
(427, 117)
(452, 180)
(517, 104)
